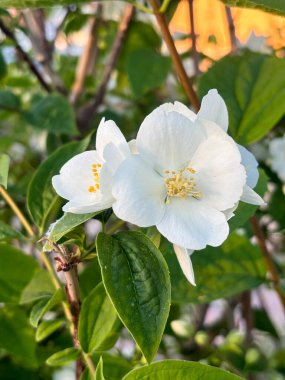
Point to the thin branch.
(180, 70)
(193, 37)
(232, 29)
(25, 57)
(89, 52)
(268, 259)
(86, 114)
(247, 315)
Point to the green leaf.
(9, 101)
(253, 87)
(220, 272)
(41, 195)
(90, 277)
(272, 6)
(3, 67)
(8, 233)
(4, 169)
(136, 279)
(147, 70)
(38, 288)
(245, 210)
(54, 114)
(16, 336)
(98, 322)
(179, 370)
(115, 367)
(99, 370)
(44, 305)
(63, 357)
(39, 3)
(46, 328)
(16, 271)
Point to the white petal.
(214, 108)
(168, 140)
(133, 146)
(229, 213)
(249, 162)
(139, 192)
(180, 108)
(76, 175)
(193, 224)
(82, 207)
(107, 133)
(183, 257)
(250, 196)
(220, 177)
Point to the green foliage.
(99, 370)
(8, 233)
(253, 87)
(220, 272)
(98, 323)
(9, 101)
(37, 3)
(63, 357)
(39, 287)
(272, 6)
(47, 328)
(4, 169)
(16, 270)
(3, 67)
(179, 370)
(136, 279)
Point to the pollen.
(180, 184)
(95, 169)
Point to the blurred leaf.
(16, 336)
(54, 114)
(263, 322)
(272, 6)
(147, 70)
(38, 3)
(38, 288)
(9, 101)
(16, 270)
(41, 195)
(115, 367)
(44, 305)
(98, 322)
(90, 277)
(47, 328)
(8, 233)
(4, 169)
(220, 272)
(253, 87)
(99, 370)
(3, 67)
(246, 210)
(63, 357)
(179, 370)
(136, 279)
(11, 372)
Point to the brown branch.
(232, 29)
(25, 57)
(247, 315)
(89, 53)
(180, 70)
(193, 37)
(86, 114)
(268, 260)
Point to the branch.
(232, 29)
(180, 70)
(25, 57)
(193, 37)
(86, 114)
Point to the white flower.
(86, 179)
(277, 153)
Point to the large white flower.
(86, 179)
(277, 156)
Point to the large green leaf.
(16, 336)
(136, 278)
(16, 271)
(41, 195)
(54, 114)
(272, 6)
(179, 370)
(220, 272)
(98, 322)
(253, 87)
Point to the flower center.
(95, 170)
(181, 184)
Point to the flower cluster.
(183, 174)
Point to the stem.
(232, 29)
(193, 37)
(180, 70)
(268, 259)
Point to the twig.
(247, 315)
(232, 29)
(84, 61)
(268, 260)
(25, 57)
(193, 37)
(86, 114)
(180, 70)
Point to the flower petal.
(80, 206)
(107, 133)
(220, 177)
(193, 224)
(214, 108)
(249, 162)
(168, 140)
(139, 192)
(250, 196)
(180, 108)
(183, 257)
